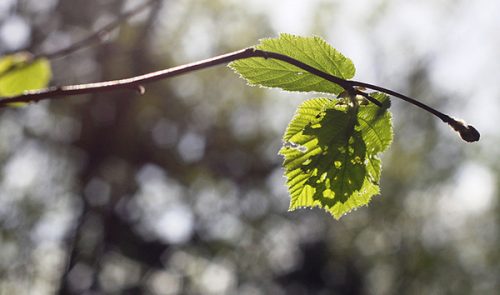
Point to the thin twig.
(133, 83)
(88, 41)
(467, 132)
(98, 35)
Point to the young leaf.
(313, 51)
(18, 74)
(331, 154)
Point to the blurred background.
(180, 190)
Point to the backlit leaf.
(313, 51)
(331, 154)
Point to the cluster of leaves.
(331, 146)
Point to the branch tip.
(467, 132)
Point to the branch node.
(263, 53)
(141, 89)
(367, 96)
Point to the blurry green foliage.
(19, 73)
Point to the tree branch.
(85, 42)
(467, 132)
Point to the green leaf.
(313, 51)
(18, 74)
(331, 147)
(375, 124)
(331, 154)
